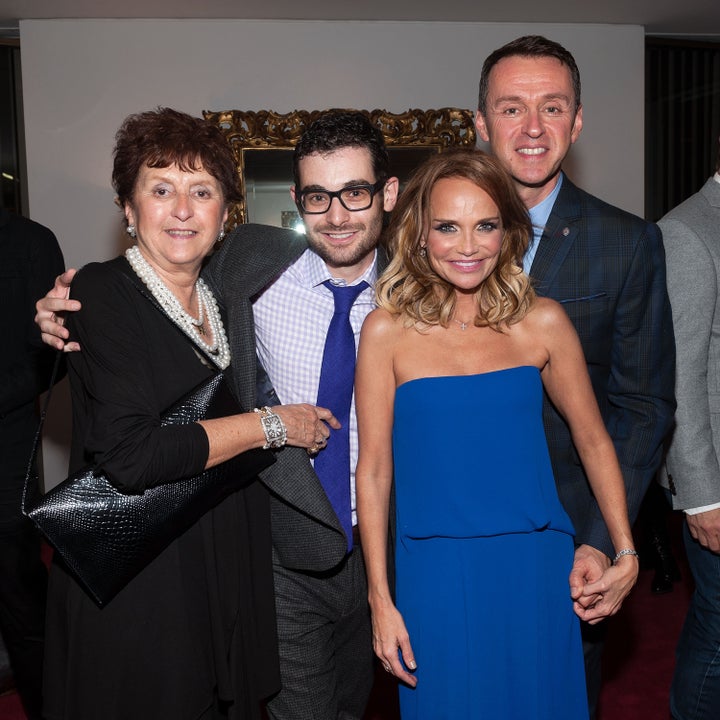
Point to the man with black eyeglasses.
(342, 189)
(300, 300)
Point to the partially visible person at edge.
(449, 384)
(193, 634)
(692, 467)
(30, 258)
(278, 288)
(607, 269)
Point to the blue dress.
(484, 551)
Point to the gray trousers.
(325, 643)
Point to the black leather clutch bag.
(105, 536)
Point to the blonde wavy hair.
(411, 288)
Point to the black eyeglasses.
(353, 198)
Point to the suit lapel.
(558, 237)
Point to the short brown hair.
(163, 137)
(412, 288)
(535, 46)
(338, 129)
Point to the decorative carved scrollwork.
(264, 129)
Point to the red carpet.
(10, 708)
(640, 655)
(639, 658)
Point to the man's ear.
(390, 193)
(481, 126)
(577, 125)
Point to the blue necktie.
(337, 376)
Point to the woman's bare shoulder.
(382, 325)
(546, 313)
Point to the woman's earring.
(130, 230)
(221, 236)
(422, 252)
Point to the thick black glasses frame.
(373, 189)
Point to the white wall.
(82, 77)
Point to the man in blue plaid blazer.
(607, 268)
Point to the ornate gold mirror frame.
(409, 132)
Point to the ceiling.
(689, 18)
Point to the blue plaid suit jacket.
(607, 269)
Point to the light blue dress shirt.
(538, 217)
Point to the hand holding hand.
(599, 596)
(589, 565)
(50, 311)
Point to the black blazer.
(30, 259)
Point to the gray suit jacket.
(691, 233)
(306, 532)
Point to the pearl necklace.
(219, 350)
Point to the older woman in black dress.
(192, 636)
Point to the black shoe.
(667, 571)
(661, 583)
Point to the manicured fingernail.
(412, 665)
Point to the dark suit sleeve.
(250, 258)
(306, 533)
(31, 259)
(640, 388)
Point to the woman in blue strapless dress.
(450, 377)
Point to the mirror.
(262, 144)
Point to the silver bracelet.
(626, 551)
(273, 427)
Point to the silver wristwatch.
(273, 427)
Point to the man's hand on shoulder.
(51, 310)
